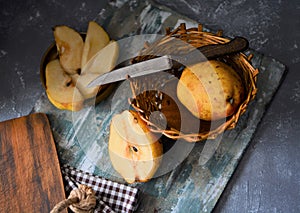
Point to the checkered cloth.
(111, 196)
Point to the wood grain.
(30, 174)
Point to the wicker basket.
(146, 101)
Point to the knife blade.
(135, 70)
(212, 51)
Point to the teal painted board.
(190, 180)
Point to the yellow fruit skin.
(210, 90)
(74, 106)
(134, 151)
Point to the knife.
(162, 63)
(135, 70)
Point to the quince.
(210, 90)
(134, 151)
(60, 88)
(96, 39)
(69, 44)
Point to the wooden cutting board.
(30, 175)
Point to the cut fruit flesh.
(82, 82)
(104, 61)
(134, 151)
(69, 44)
(96, 39)
(60, 88)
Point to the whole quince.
(210, 90)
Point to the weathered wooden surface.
(192, 186)
(30, 178)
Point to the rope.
(81, 200)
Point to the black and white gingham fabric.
(111, 196)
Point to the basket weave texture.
(148, 95)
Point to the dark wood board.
(30, 179)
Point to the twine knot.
(80, 200)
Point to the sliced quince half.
(60, 88)
(69, 45)
(82, 82)
(134, 151)
(96, 39)
(104, 61)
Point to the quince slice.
(134, 151)
(69, 45)
(104, 61)
(96, 39)
(60, 88)
(81, 83)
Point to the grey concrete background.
(268, 176)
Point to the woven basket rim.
(196, 34)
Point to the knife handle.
(212, 51)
